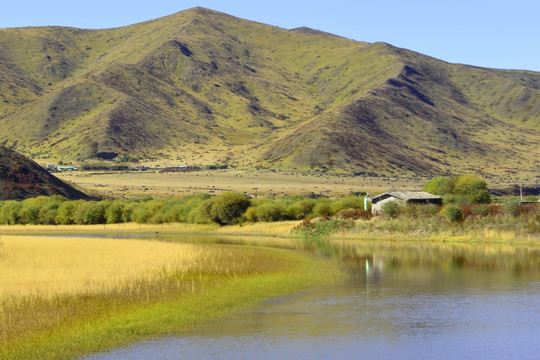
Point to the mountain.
(21, 178)
(202, 86)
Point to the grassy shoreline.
(222, 284)
(434, 230)
(219, 294)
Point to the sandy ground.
(137, 184)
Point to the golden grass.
(107, 229)
(64, 297)
(278, 228)
(49, 267)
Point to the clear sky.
(489, 33)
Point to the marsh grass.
(69, 296)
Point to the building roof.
(406, 195)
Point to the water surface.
(405, 301)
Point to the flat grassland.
(256, 183)
(71, 296)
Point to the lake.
(402, 301)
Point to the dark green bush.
(300, 209)
(95, 213)
(228, 208)
(453, 213)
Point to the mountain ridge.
(202, 82)
(21, 178)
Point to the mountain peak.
(205, 87)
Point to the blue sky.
(495, 33)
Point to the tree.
(115, 212)
(64, 214)
(229, 207)
(269, 211)
(9, 213)
(464, 189)
(474, 188)
(95, 213)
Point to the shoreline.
(219, 295)
(282, 230)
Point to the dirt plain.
(255, 183)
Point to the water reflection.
(403, 301)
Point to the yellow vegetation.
(57, 266)
(62, 297)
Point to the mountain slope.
(202, 85)
(21, 178)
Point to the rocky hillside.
(21, 178)
(201, 86)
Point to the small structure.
(403, 197)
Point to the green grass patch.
(119, 320)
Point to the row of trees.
(224, 209)
(463, 196)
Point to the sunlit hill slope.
(202, 86)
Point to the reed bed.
(49, 267)
(49, 285)
(108, 229)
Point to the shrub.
(228, 208)
(350, 202)
(251, 214)
(9, 214)
(455, 199)
(322, 208)
(269, 211)
(481, 210)
(64, 214)
(80, 207)
(391, 209)
(189, 203)
(172, 211)
(95, 213)
(453, 213)
(127, 213)
(201, 214)
(155, 208)
(140, 213)
(115, 212)
(300, 209)
(460, 189)
(494, 209)
(49, 211)
(354, 214)
(29, 213)
(511, 208)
